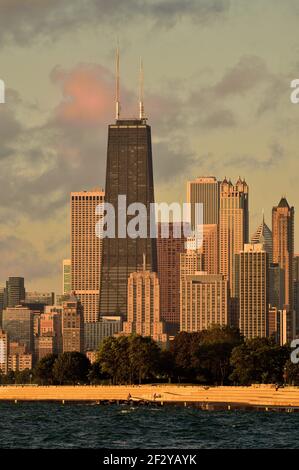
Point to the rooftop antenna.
(141, 83)
(117, 103)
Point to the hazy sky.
(217, 94)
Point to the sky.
(217, 95)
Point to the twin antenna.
(117, 94)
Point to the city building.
(170, 244)
(73, 326)
(264, 235)
(191, 262)
(204, 190)
(276, 286)
(129, 173)
(204, 301)
(66, 276)
(3, 352)
(234, 226)
(144, 307)
(44, 298)
(283, 245)
(296, 288)
(86, 251)
(19, 358)
(14, 292)
(96, 332)
(18, 323)
(252, 293)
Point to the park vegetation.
(217, 356)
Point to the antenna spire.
(141, 83)
(117, 103)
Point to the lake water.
(53, 425)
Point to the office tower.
(129, 173)
(210, 249)
(86, 251)
(283, 245)
(73, 326)
(169, 249)
(204, 301)
(251, 286)
(296, 288)
(19, 358)
(3, 351)
(18, 323)
(14, 292)
(50, 335)
(96, 332)
(144, 306)
(264, 235)
(44, 298)
(191, 262)
(276, 286)
(234, 225)
(2, 293)
(66, 276)
(206, 191)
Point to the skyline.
(224, 113)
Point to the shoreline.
(255, 397)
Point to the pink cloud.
(88, 94)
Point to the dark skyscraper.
(129, 173)
(14, 292)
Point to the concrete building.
(66, 276)
(283, 245)
(86, 251)
(204, 190)
(73, 326)
(96, 332)
(143, 317)
(170, 244)
(191, 262)
(18, 323)
(204, 301)
(234, 226)
(3, 352)
(252, 293)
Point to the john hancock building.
(129, 173)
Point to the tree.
(43, 371)
(214, 352)
(259, 360)
(144, 356)
(71, 368)
(113, 359)
(23, 376)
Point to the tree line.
(217, 356)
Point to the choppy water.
(44, 425)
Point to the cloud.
(19, 257)
(275, 156)
(88, 94)
(22, 22)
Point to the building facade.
(73, 326)
(204, 301)
(252, 290)
(144, 306)
(233, 226)
(86, 251)
(129, 173)
(204, 190)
